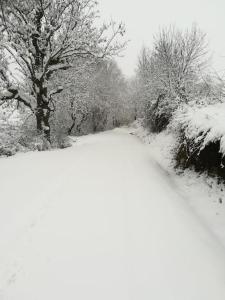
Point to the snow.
(204, 194)
(203, 124)
(10, 116)
(10, 122)
(102, 220)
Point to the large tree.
(169, 73)
(41, 37)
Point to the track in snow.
(101, 221)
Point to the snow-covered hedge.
(202, 137)
(203, 125)
(18, 134)
(10, 130)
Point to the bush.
(202, 138)
(160, 113)
(18, 134)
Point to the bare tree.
(44, 36)
(178, 57)
(169, 72)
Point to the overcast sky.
(143, 18)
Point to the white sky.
(143, 18)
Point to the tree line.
(62, 63)
(174, 89)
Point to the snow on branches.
(42, 37)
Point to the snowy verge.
(203, 124)
(204, 194)
(18, 134)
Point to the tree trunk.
(43, 111)
(71, 128)
(43, 125)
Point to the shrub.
(201, 132)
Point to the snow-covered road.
(101, 221)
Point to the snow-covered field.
(102, 220)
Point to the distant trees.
(109, 92)
(169, 72)
(42, 37)
(96, 97)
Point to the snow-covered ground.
(204, 194)
(102, 220)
